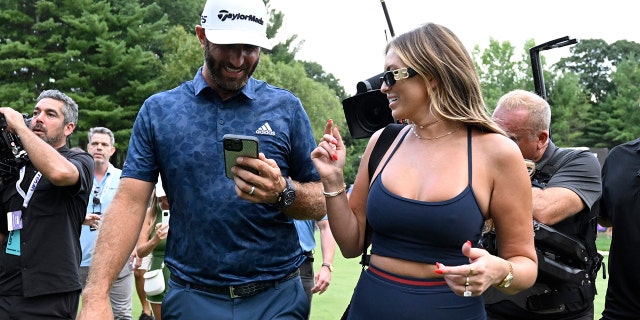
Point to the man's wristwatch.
(506, 282)
(287, 196)
(328, 265)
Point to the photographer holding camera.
(565, 185)
(40, 252)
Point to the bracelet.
(506, 282)
(335, 193)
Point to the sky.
(347, 37)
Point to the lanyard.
(31, 189)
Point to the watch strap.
(287, 196)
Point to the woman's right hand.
(330, 155)
(162, 230)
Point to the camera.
(233, 144)
(12, 153)
(367, 111)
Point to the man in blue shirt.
(232, 249)
(106, 179)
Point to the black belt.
(243, 290)
(309, 255)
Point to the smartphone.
(165, 216)
(238, 146)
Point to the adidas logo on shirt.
(265, 129)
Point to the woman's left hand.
(471, 280)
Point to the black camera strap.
(388, 134)
(385, 140)
(545, 173)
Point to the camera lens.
(96, 200)
(233, 144)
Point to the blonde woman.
(152, 240)
(446, 173)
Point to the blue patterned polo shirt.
(216, 238)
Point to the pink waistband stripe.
(426, 283)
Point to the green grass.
(603, 242)
(331, 304)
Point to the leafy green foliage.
(110, 55)
(498, 70)
(104, 54)
(570, 110)
(593, 93)
(625, 105)
(608, 75)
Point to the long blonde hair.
(437, 54)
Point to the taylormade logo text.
(224, 15)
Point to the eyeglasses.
(390, 77)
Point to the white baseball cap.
(236, 21)
(159, 190)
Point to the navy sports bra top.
(427, 232)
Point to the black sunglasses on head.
(390, 77)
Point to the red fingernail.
(438, 265)
(438, 271)
(335, 157)
(469, 242)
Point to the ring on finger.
(470, 270)
(466, 292)
(466, 284)
(253, 188)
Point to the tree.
(625, 105)
(105, 55)
(185, 13)
(110, 55)
(590, 59)
(602, 69)
(500, 71)
(569, 110)
(182, 56)
(317, 73)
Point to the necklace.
(413, 129)
(429, 124)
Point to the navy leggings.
(379, 296)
